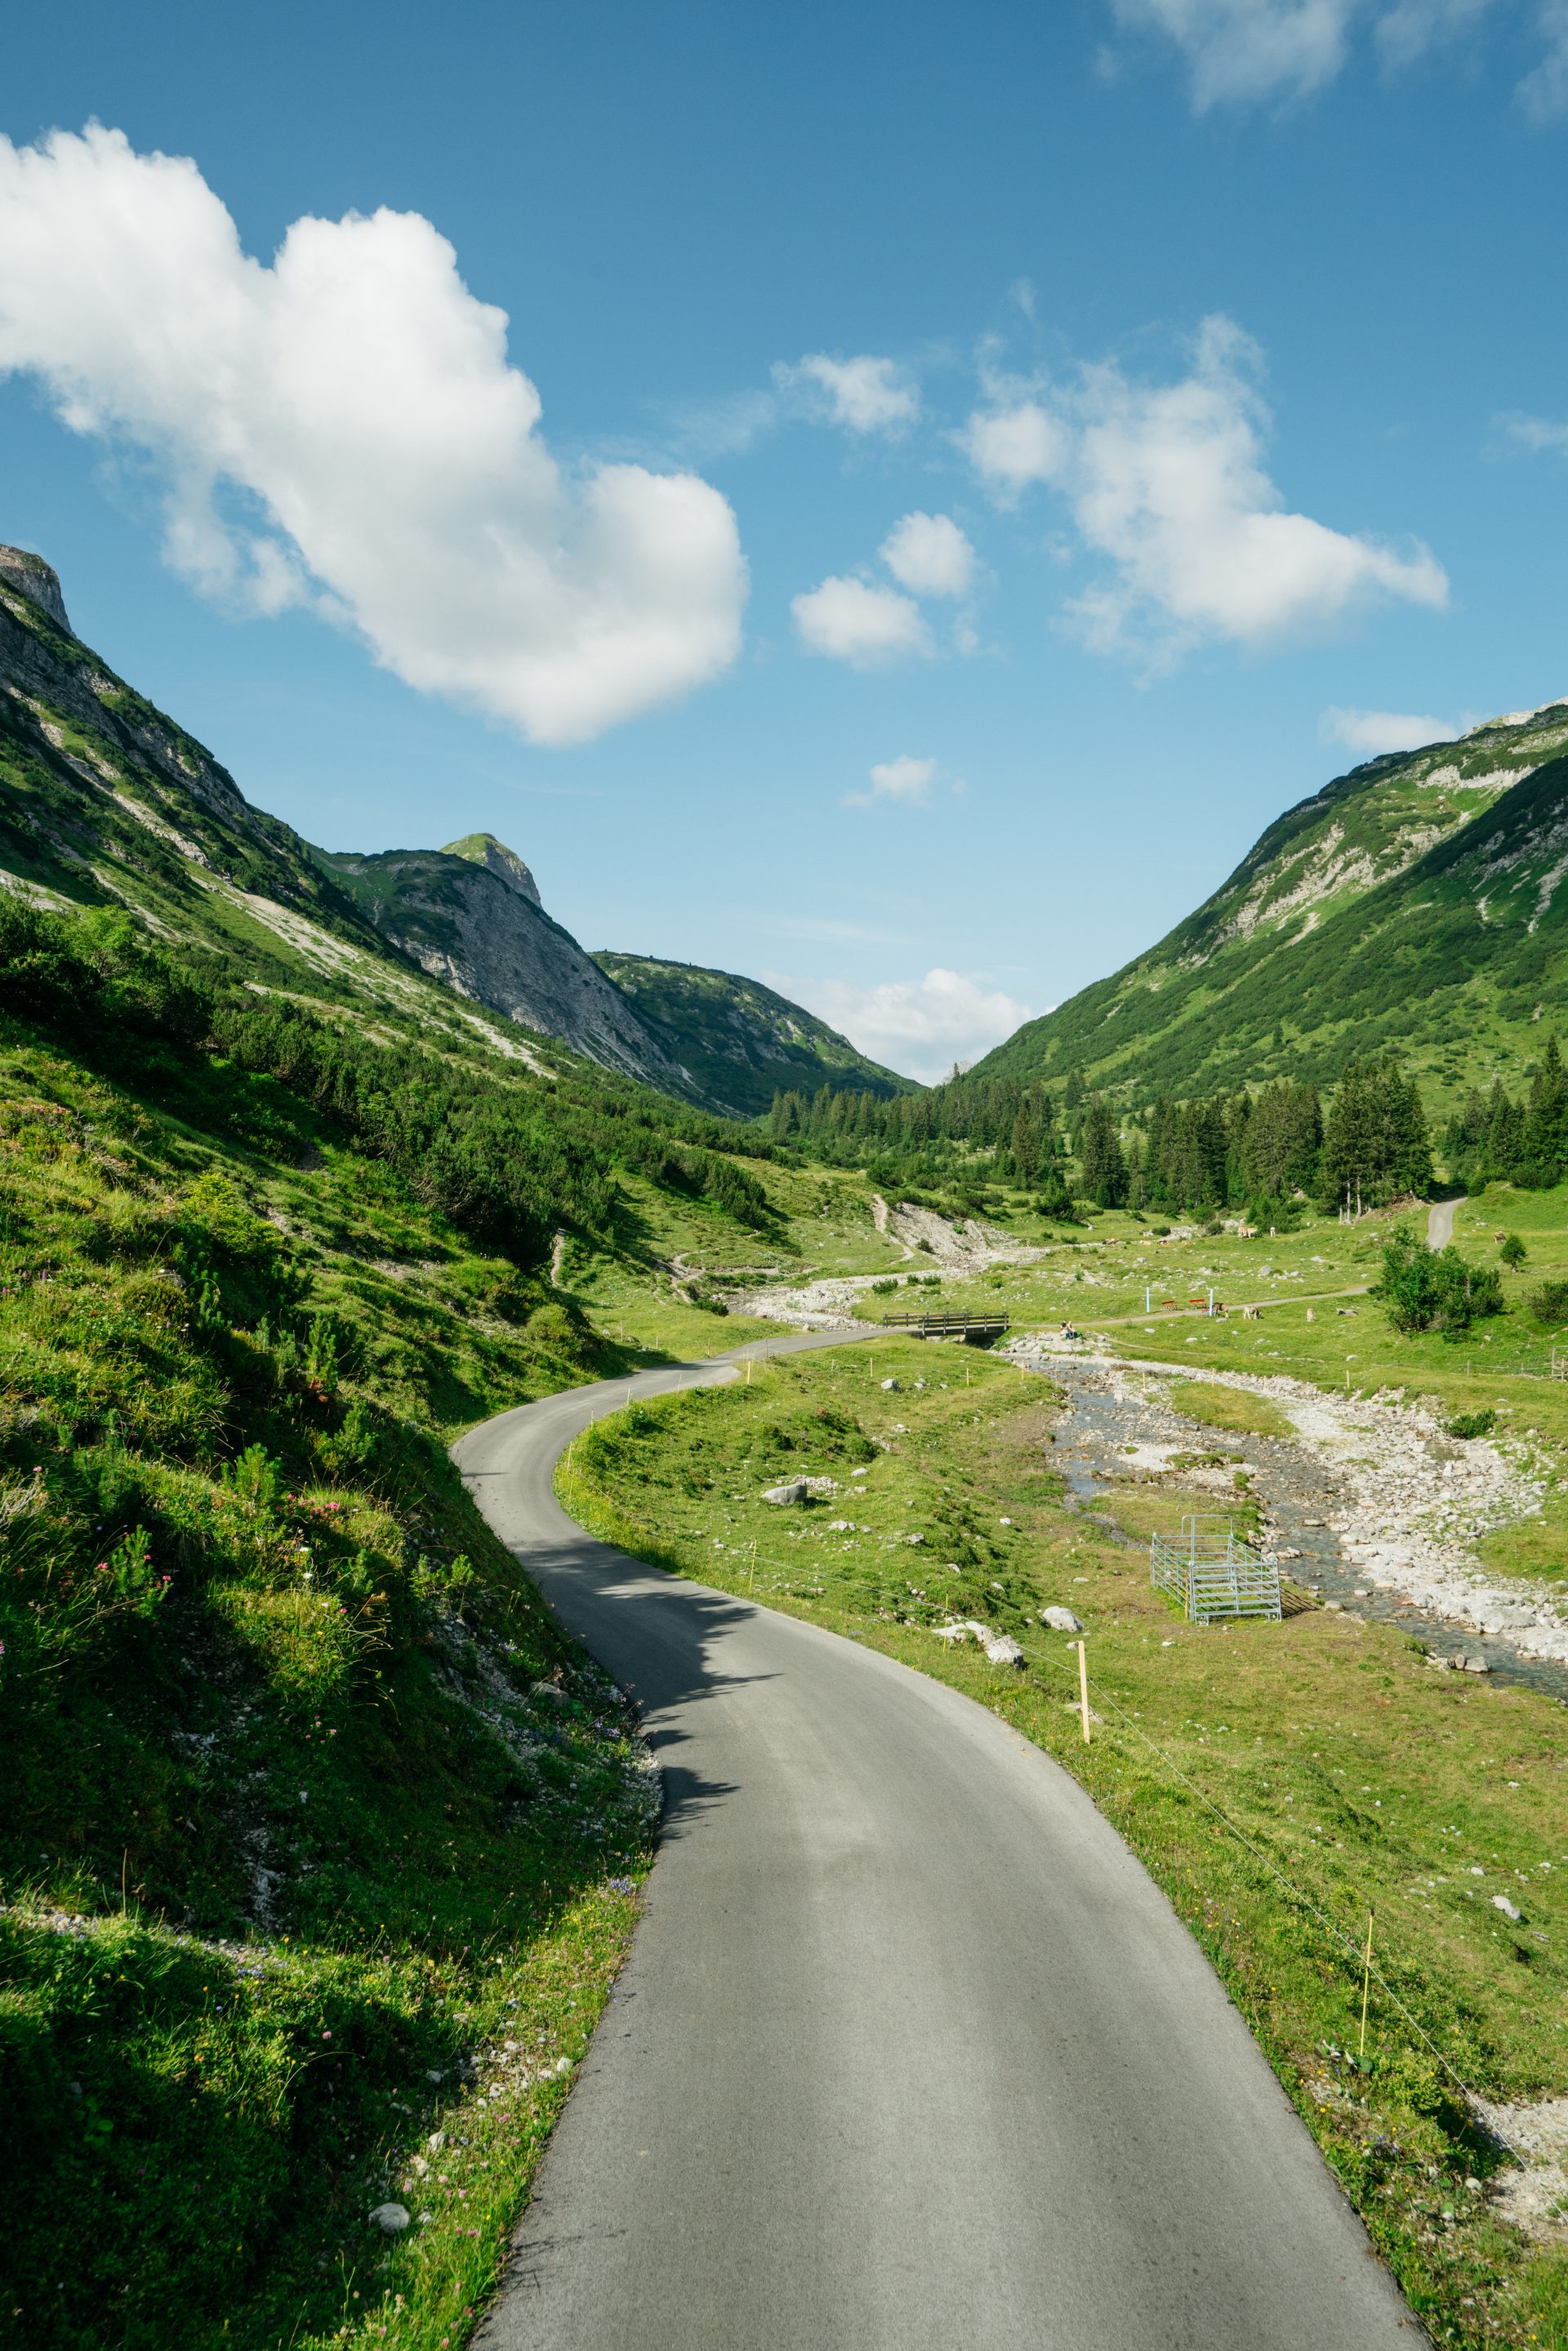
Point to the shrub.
(1513, 1251)
(1549, 1303)
(1435, 1289)
(1472, 1424)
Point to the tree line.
(1499, 1137)
(1236, 1150)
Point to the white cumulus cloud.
(863, 395)
(1371, 732)
(903, 779)
(1166, 481)
(918, 1027)
(850, 620)
(343, 427)
(930, 555)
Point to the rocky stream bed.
(1369, 1507)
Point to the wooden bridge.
(976, 1329)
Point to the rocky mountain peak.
(484, 849)
(38, 579)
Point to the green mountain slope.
(740, 1041)
(1414, 904)
(307, 1799)
(105, 802)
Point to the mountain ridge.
(741, 1040)
(1412, 904)
(105, 802)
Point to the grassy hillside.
(315, 1824)
(741, 1043)
(1414, 903)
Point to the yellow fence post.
(1365, 1984)
(1083, 1689)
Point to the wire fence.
(1343, 1941)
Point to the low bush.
(1549, 1303)
(1435, 1289)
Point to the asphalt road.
(910, 2053)
(1440, 1224)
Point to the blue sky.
(945, 481)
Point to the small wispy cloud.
(863, 395)
(1279, 52)
(930, 555)
(1372, 732)
(1166, 481)
(904, 781)
(1531, 434)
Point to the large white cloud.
(1166, 481)
(865, 394)
(851, 620)
(343, 427)
(918, 1027)
(930, 555)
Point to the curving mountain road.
(910, 2053)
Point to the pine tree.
(1376, 1142)
(1104, 1169)
(1546, 1135)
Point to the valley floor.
(1283, 1782)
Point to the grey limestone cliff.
(471, 916)
(38, 579)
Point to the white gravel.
(1420, 1500)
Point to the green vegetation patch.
(1224, 1407)
(314, 1823)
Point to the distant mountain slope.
(105, 802)
(741, 1043)
(1414, 903)
(471, 916)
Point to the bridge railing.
(1212, 1574)
(947, 1326)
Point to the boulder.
(891, 1388)
(392, 2219)
(999, 1647)
(795, 1489)
(1060, 1620)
